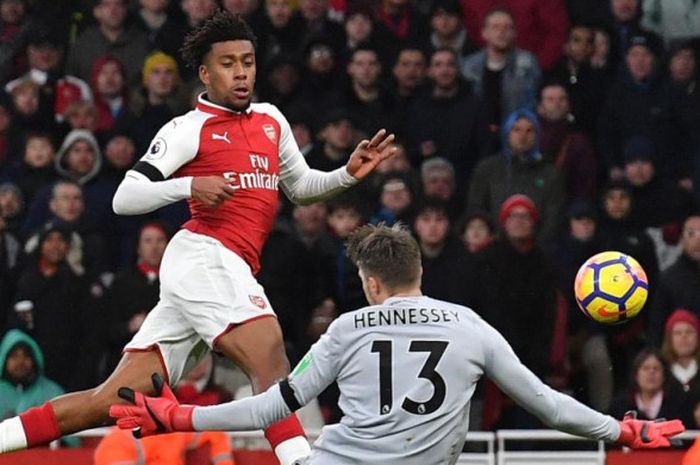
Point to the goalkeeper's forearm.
(247, 414)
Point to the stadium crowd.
(531, 134)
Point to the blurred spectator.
(505, 77)
(111, 95)
(649, 190)
(371, 105)
(5, 126)
(198, 387)
(158, 100)
(279, 32)
(45, 53)
(53, 305)
(519, 168)
(681, 350)
(36, 170)
(317, 25)
(447, 29)
(360, 31)
(447, 269)
(685, 95)
(624, 25)
(476, 232)
(165, 29)
(395, 201)
(336, 140)
(409, 73)
(119, 157)
(586, 86)
(344, 216)
(281, 85)
(197, 11)
(601, 59)
(401, 24)
(620, 233)
(541, 24)
(112, 35)
(672, 19)
(649, 393)
(677, 286)
(27, 114)
(567, 148)
(132, 295)
(443, 119)
(81, 115)
(321, 77)
(67, 208)
(287, 274)
(438, 181)
(638, 103)
(22, 381)
(15, 30)
(245, 8)
(11, 212)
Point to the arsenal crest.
(270, 132)
(257, 301)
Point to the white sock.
(292, 449)
(12, 435)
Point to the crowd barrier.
(504, 447)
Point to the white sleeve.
(557, 410)
(137, 194)
(311, 376)
(301, 184)
(146, 187)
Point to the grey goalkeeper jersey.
(406, 370)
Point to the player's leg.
(258, 349)
(79, 410)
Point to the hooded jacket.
(16, 398)
(74, 136)
(499, 176)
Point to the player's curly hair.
(221, 27)
(388, 252)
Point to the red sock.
(283, 430)
(40, 425)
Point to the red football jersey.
(249, 148)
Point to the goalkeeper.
(406, 366)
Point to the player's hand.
(370, 153)
(147, 416)
(211, 191)
(642, 434)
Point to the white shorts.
(205, 291)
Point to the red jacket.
(542, 25)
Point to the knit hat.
(518, 200)
(638, 148)
(155, 59)
(685, 316)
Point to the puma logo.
(215, 136)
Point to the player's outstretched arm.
(370, 153)
(147, 416)
(562, 412)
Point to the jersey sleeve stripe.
(288, 396)
(148, 170)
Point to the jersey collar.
(209, 107)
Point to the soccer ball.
(611, 287)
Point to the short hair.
(498, 9)
(64, 182)
(389, 253)
(436, 164)
(221, 27)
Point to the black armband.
(288, 396)
(148, 170)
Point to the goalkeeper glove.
(642, 434)
(147, 416)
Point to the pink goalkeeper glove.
(152, 415)
(642, 434)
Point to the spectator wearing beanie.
(681, 350)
